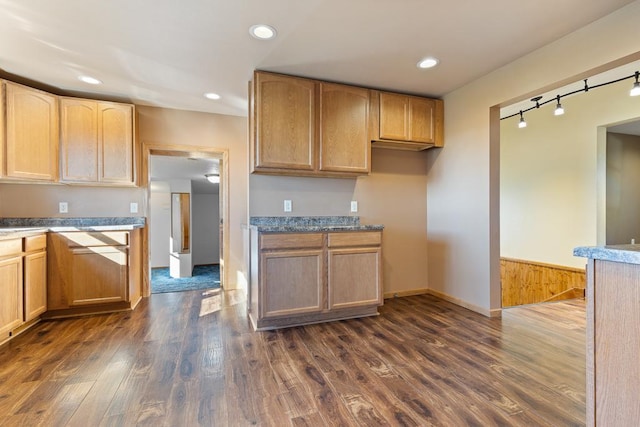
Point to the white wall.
(159, 228)
(549, 175)
(623, 187)
(463, 183)
(206, 231)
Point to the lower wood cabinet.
(23, 282)
(299, 278)
(93, 272)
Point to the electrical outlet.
(354, 206)
(63, 207)
(133, 207)
(287, 205)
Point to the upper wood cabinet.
(307, 127)
(405, 121)
(344, 118)
(96, 142)
(31, 139)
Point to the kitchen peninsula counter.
(613, 341)
(13, 228)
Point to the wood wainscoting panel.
(529, 282)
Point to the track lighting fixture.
(559, 110)
(635, 91)
(522, 123)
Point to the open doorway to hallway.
(184, 238)
(186, 204)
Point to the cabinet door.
(35, 285)
(11, 291)
(421, 119)
(355, 277)
(394, 116)
(344, 119)
(79, 140)
(115, 137)
(32, 134)
(291, 282)
(2, 129)
(285, 123)
(99, 275)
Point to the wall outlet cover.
(354, 206)
(287, 205)
(133, 207)
(63, 207)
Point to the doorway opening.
(186, 200)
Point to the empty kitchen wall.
(463, 184)
(549, 175)
(623, 191)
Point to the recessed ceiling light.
(262, 31)
(212, 95)
(90, 80)
(428, 62)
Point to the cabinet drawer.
(358, 238)
(290, 240)
(10, 247)
(33, 243)
(96, 238)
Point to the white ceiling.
(169, 53)
(167, 168)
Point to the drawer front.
(290, 240)
(10, 247)
(358, 238)
(33, 243)
(96, 238)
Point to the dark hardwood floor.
(188, 359)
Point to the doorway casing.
(197, 152)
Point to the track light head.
(522, 123)
(635, 90)
(559, 110)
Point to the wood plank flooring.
(190, 359)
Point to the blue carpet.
(204, 277)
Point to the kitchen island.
(313, 269)
(613, 337)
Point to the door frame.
(196, 152)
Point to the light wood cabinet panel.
(31, 134)
(79, 140)
(11, 292)
(394, 116)
(97, 142)
(2, 128)
(421, 119)
(115, 136)
(344, 138)
(292, 282)
(99, 275)
(35, 285)
(285, 115)
(354, 277)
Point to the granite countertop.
(309, 224)
(13, 228)
(629, 254)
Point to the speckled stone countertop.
(300, 224)
(629, 254)
(11, 228)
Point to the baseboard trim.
(409, 293)
(497, 312)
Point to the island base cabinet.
(105, 269)
(613, 343)
(35, 285)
